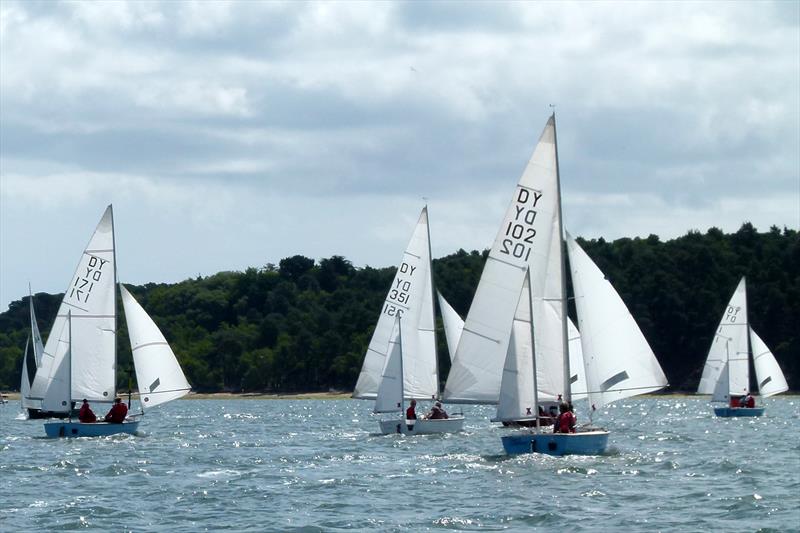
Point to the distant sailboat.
(79, 358)
(31, 362)
(726, 374)
(515, 347)
(410, 297)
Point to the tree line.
(304, 325)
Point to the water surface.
(318, 465)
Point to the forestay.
(524, 240)
(729, 346)
(770, 378)
(90, 298)
(410, 297)
(158, 373)
(618, 361)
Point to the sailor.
(565, 423)
(86, 415)
(117, 413)
(411, 412)
(437, 412)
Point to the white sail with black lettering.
(618, 361)
(410, 297)
(729, 346)
(770, 378)
(158, 372)
(91, 300)
(523, 240)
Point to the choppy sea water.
(318, 465)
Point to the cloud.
(231, 120)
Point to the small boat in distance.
(726, 374)
(410, 298)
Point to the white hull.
(422, 426)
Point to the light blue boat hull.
(727, 412)
(97, 429)
(583, 443)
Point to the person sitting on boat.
(747, 401)
(437, 412)
(117, 413)
(411, 412)
(565, 423)
(86, 415)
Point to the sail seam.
(150, 344)
(481, 335)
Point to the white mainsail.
(516, 400)
(770, 378)
(38, 351)
(410, 297)
(618, 361)
(524, 240)
(91, 300)
(389, 398)
(453, 325)
(158, 372)
(24, 380)
(729, 347)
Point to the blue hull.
(585, 443)
(97, 429)
(727, 412)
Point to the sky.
(234, 134)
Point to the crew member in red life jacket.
(411, 412)
(117, 413)
(565, 423)
(86, 415)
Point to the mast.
(69, 367)
(433, 298)
(114, 255)
(533, 350)
(564, 314)
(402, 374)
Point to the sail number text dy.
(519, 231)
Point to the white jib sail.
(57, 395)
(36, 337)
(770, 378)
(24, 380)
(389, 398)
(158, 372)
(453, 325)
(578, 375)
(618, 361)
(720, 393)
(522, 241)
(729, 346)
(90, 299)
(409, 297)
(516, 401)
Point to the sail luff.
(389, 398)
(567, 393)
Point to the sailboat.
(410, 298)
(79, 358)
(503, 337)
(726, 374)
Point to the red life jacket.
(117, 413)
(566, 422)
(411, 413)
